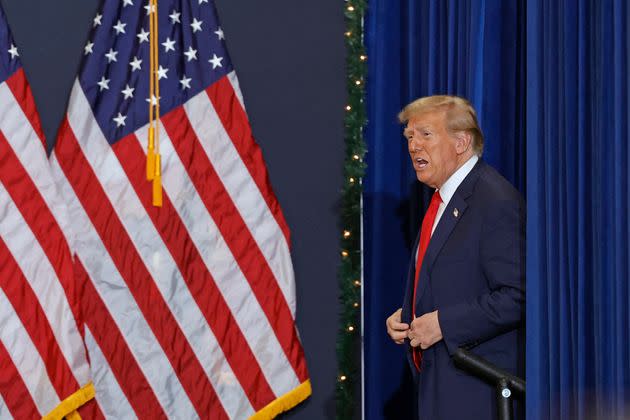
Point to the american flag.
(43, 364)
(190, 307)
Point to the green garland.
(348, 340)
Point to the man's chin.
(424, 179)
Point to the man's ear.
(463, 141)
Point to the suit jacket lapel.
(447, 223)
(406, 314)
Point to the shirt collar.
(452, 183)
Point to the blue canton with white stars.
(9, 61)
(115, 70)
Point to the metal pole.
(504, 400)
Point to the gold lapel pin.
(456, 213)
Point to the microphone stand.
(508, 386)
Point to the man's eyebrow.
(420, 127)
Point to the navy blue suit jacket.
(473, 273)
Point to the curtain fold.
(470, 48)
(578, 319)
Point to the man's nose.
(415, 145)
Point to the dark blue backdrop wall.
(291, 70)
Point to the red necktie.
(425, 237)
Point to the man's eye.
(426, 133)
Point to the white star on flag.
(13, 51)
(153, 100)
(104, 83)
(215, 61)
(169, 45)
(111, 55)
(203, 1)
(143, 36)
(191, 54)
(175, 17)
(127, 3)
(162, 73)
(119, 27)
(135, 64)
(120, 119)
(88, 48)
(97, 20)
(128, 91)
(149, 8)
(219, 33)
(196, 25)
(185, 82)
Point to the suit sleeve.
(502, 258)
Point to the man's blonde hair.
(460, 115)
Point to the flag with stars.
(43, 364)
(191, 305)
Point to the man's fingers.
(396, 329)
(398, 326)
(394, 322)
(398, 335)
(417, 343)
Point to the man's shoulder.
(491, 187)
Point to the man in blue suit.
(465, 286)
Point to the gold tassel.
(151, 155)
(157, 182)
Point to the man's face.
(432, 149)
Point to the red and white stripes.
(42, 356)
(192, 305)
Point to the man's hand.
(425, 330)
(396, 329)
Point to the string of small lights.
(348, 340)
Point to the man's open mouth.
(421, 163)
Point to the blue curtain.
(473, 49)
(578, 317)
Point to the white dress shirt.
(450, 186)
(448, 189)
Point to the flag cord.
(151, 146)
(154, 164)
